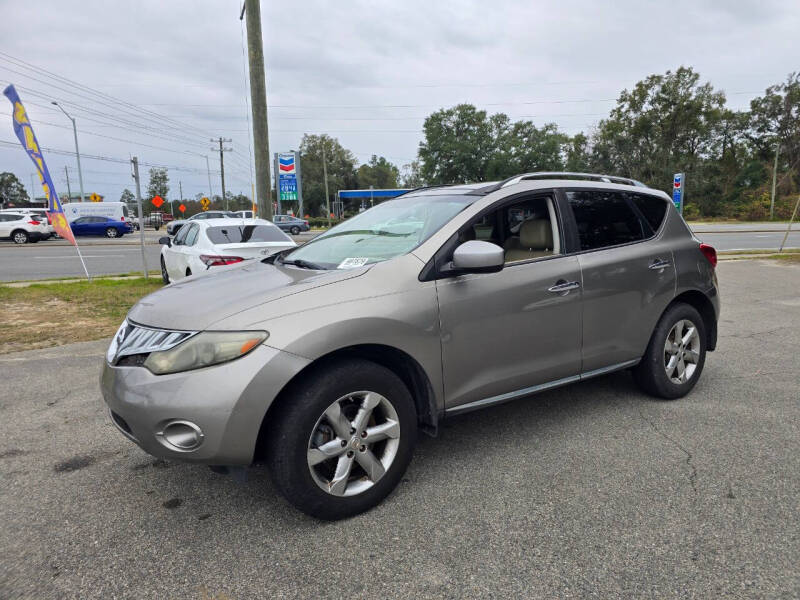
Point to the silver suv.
(326, 360)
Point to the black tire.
(650, 374)
(20, 236)
(112, 232)
(164, 274)
(295, 230)
(294, 420)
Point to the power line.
(117, 101)
(10, 144)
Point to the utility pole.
(180, 187)
(258, 106)
(222, 150)
(774, 179)
(69, 191)
(32, 195)
(77, 152)
(325, 176)
(135, 162)
(210, 191)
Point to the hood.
(197, 302)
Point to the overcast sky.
(365, 72)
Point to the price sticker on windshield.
(352, 263)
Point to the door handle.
(659, 264)
(564, 287)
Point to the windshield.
(390, 229)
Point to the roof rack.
(565, 175)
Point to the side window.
(526, 229)
(191, 236)
(651, 207)
(605, 219)
(181, 235)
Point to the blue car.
(99, 226)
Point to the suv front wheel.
(341, 441)
(675, 355)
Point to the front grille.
(137, 341)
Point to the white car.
(203, 246)
(41, 213)
(22, 228)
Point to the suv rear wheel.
(342, 440)
(675, 355)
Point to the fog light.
(184, 436)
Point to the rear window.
(237, 234)
(652, 208)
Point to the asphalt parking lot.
(590, 491)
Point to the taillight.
(123, 219)
(210, 260)
(32, 222)
(710, 253)
(306, 222)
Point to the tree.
(12, 190)
(664, 125)
(341, 170)
(158, 184)
(379, 173)
(524, 148)
(775, 119)
(411, 175)
(127, 197)
(458, 147)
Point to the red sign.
(157, 201)
(182, 208)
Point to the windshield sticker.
(352, 263)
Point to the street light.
(77, 153)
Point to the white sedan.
(205, 246)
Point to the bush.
(691, 212)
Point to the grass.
(763, 251)
(53, 314)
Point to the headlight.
(205, 349)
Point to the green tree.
(379, 173)
(459, 145)
(411, 175)
(11, 189)
(127, 197)
(665, 124)
(341, 171)
(158, 184)
(521, 147)
(578, 156)
(774, 121)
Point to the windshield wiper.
(303, 264)
(367, 231)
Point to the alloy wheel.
(20, 237)
(682, 351)
(353, 443)
(111, 232)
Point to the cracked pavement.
(589, 491)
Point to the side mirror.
(478, 257)
(165, 241)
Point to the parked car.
(22, 228)
(245, 214)
(326, 360)
(291, 224)
(175, 225)
(218, 243)
(100, 226)
(39, 213)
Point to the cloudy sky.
(159, 79)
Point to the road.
(51, 259)
(592, 490)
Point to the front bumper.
(227, 402)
